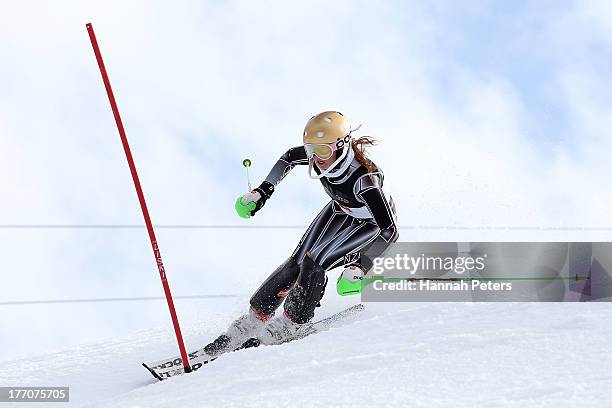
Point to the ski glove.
(250, 203)
(245, 204)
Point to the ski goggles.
(325, 150)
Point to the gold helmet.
(326, 127)
(327, 133)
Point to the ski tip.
(152, 372)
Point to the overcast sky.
(489, 113)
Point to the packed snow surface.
(392, 354)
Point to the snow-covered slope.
(410, 354)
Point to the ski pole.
(141, 198)
(247, 163)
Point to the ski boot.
(278, 330)
(239, 333)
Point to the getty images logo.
(424, 263)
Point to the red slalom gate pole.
(141, 198)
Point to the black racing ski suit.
(358, 215)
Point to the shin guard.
(272, 292)
(307, 292)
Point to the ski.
(167, 368)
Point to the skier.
(358, 215)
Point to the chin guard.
(347, 153)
